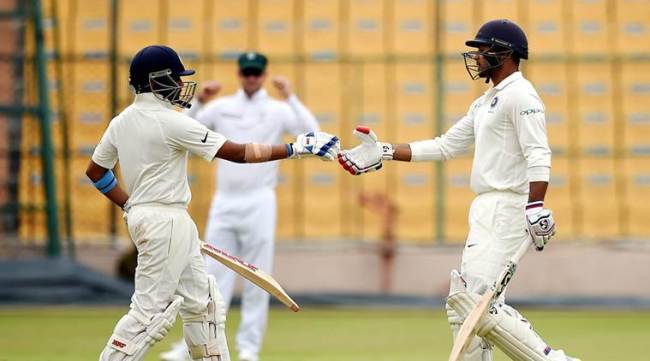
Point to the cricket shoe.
(246, 355)
(559, 355)
(178, 352)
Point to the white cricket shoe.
(559, 355)
(245, 355)
(179, 352)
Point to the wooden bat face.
(251, 273)
(468, 329)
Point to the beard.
(484, 71)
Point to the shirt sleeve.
(105, 154)
(184, 133)
(457, 140)
(302, 120)
(530, 124)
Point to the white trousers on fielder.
(244, 225)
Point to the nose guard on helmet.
(165, 88)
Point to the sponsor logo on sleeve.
(531, 111)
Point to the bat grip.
(511, 267)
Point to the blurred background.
(394, 65)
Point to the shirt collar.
(508, 80)
(260, 94)
(149, 100)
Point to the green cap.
(252, 60)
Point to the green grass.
(79, 333)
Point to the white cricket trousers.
(243, 224)
(169, 262)
(497, 227)
(496, 230)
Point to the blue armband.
(106, 182)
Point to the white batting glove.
(320, 144)
(540, 223)
(367, 156)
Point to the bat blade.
(251, 273)
(468, 329)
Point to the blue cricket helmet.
(155, 58)
(502, 33)
(158, 69)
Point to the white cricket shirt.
(508, 128)
(151, 141)
(258, 119)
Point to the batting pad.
(121, 347)
(478, 349)
(508, 330)
(206, 335)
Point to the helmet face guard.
(166, 88)
(495, 55)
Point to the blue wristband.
(289, 150)
(106, 182)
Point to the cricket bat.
(468, 329)
(251, 273)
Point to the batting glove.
(320, 144)
(540, 224)
(367, 156)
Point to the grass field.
(78, 333)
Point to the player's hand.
(367, 156)
(282, 85)
(320, 144)
(540, 224)
(208, 90)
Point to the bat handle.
(509, 271)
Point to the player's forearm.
(104, 180)
(426, 150)
(402, 152)
(253, 152)
(118, 196)
(537, 191)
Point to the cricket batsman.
(243, 213)
(151, 140)
(510, 174)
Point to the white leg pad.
(508, 330)
(132, 338)
(478, 349)
(206, 335)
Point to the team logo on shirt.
(494, 102)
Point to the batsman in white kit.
(243, 215)
(510, 174)
(151, 140)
